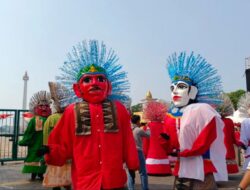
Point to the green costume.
(33, 138)
(49, 125)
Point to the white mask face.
(180, 93)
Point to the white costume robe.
(195, 119)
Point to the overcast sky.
(35, 36)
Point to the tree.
(137, 108)
(235, 96)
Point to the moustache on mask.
(95, 88)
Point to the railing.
(12, 126)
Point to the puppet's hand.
(43, 150)
(243, 147)
(165, 136)
(175, 153)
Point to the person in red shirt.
(226, 109)
(95, 130)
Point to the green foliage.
(137, 108)
(235, 96)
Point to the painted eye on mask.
(101, 79)
(86, 80)
(179, 85)
(172, 88)
(182, 86)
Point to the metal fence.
(12, 126)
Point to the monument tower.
(25, 79)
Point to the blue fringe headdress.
(195, 71)
(84, 55)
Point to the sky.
(35, 36)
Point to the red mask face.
(43, 110)
(93, 88)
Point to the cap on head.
(91, 69)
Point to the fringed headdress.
(93, 57)
(60, 95)
(244, 105)
(155, 111)
(40, 98)
(196, 71)
(226, 108)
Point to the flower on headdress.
(155, 111)
(93, 58)
(196, 71)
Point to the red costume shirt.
(157, 161)
(97, 158)
(230, 140)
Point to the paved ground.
(11, 178)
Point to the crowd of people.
(83, 135)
